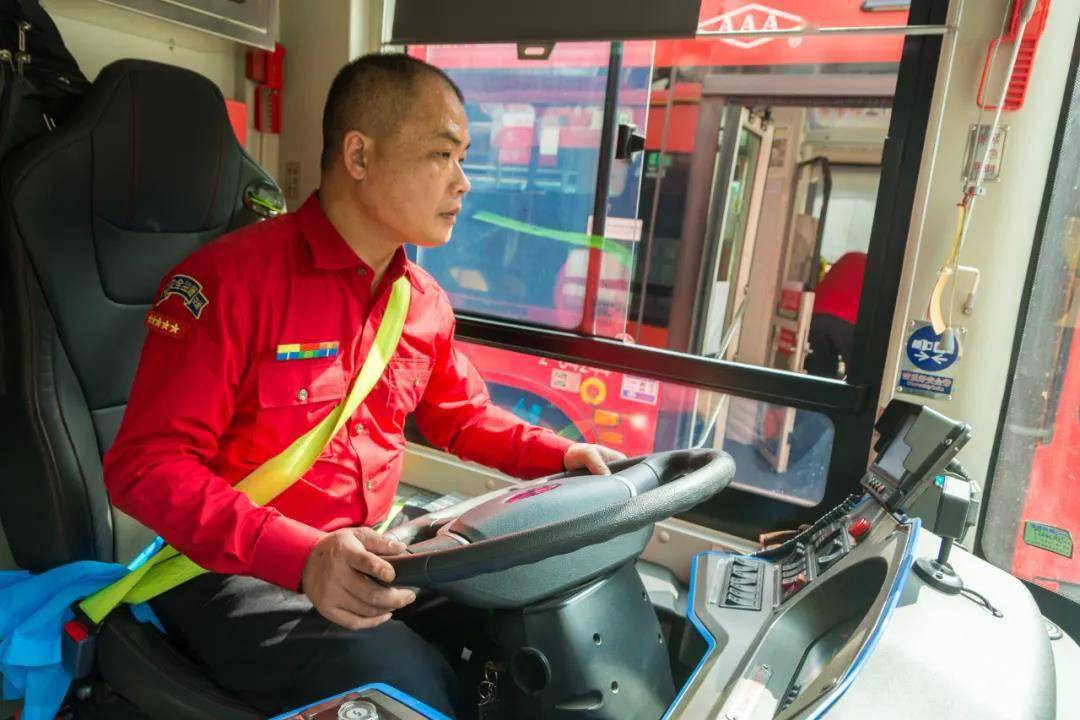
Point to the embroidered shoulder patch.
(190, 290)
(167, 325)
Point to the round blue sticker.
(925, 351)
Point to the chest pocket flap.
(409, 377)
(292, 383)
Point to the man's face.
(414, 181)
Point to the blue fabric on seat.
(33, 611)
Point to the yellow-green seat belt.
(168, 568)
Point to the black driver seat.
(146, 170)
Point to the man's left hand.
(593, 457)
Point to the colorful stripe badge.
(306, 351)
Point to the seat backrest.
(143, 172)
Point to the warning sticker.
(639, 389)
(926, 358)
(1049, 538)
(565, 380)
(920, 383)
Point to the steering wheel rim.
(686, 478)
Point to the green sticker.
(1049, 538)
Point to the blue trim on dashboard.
(899, 582)
(709, 639)
(428, 712)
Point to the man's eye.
(444, 155)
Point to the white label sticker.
(640, 390)
(549, 140)
(563, 380)
(746, 694)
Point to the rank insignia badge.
(167, 325)
(306, 351)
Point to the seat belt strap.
(167, 568)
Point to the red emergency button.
(858, 528)
(790, 585)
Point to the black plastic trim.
(758, 383)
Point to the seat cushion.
(141, 665)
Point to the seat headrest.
(163, 131)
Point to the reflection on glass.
(710, 247)
(523, 247)
(780, 452)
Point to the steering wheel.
(553, 516)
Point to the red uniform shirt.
(217, 393)
(838, 292)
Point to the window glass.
(523, 247)
(718, 232)
(1033, 514)
(779, 451)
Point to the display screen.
(890, 463)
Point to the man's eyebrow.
(447, 135)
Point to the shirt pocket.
(398, 392)
(293, 396)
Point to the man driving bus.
(254, 340)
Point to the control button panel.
(745, 581)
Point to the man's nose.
(461, 182)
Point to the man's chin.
(434, 240)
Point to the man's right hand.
(338, 578)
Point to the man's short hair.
(371, 94)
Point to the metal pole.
(603, 184)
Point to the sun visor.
(496, 21)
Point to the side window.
(1032, 519)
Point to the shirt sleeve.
(180, 405)
(456, 414)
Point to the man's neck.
(359, 233)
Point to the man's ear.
(355, 151)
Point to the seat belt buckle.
(78, 645)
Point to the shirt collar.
(329, 251)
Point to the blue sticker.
(925, 351)
(918, 383)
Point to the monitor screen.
(890, 462)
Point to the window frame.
(850, 404)
(1058, 608)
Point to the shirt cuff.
(282, 551)
(547, 454)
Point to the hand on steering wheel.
(593, 458)
(343, 578)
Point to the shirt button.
(369, 485)
(416, 382)
(361, 271)
(358, 428)
(302, 395)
